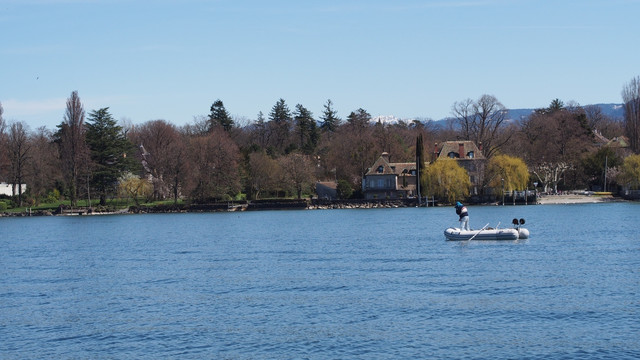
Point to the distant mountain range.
(614, 111)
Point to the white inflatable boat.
(515, 233)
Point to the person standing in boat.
(461, 210)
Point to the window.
(380, 169)
(470, 154)
(453, 155)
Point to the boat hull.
(487, 234)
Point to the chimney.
(461, 150)
(480, 146)
(385, 156)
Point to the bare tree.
(297, 172)
(72, 146)
(483, 122)
(631, 98)
(602, 123)
(554, 142)
(464, 113)
(19, 148)
(263, 174)
(162, 154)
(353, 149)
(214, 170)
(2, 124)
(3, 153)
(44, 165)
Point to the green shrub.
(53, 196)
(3, 205)
(344, 189)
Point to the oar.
(478, 232)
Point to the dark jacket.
(462, 211)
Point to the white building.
(6, 189)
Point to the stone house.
(388, 180)
(469, 156)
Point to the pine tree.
(306, 128)
(359, 119)
(280, 112)
(220, 117)
(330, 119)
(108, 150)
(280, 118)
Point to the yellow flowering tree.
(631, 171)
(511, 169)
(447, 180)
(134, 187)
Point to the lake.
(322, 284)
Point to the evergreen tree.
(330, 119)
(280, 119)
(420, 167)
(280, 112)
(306, 128)
(220, 117)
(556, 104)
(108, 150)
(261, 131)
(359, 118)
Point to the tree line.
(282, 154)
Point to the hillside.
(614, 111)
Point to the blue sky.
(170, 59)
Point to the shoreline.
(541, 200)
(575, 199)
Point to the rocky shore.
(301, 204)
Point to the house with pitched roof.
(389, 180)
(469, 156)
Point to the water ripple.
(340, 284)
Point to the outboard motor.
(522, 232)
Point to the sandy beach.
(573, 199)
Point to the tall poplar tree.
(2, 142)
(631, 98)
(72, 146)
(19, 148)
(420, 180)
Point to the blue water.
(336, 284)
